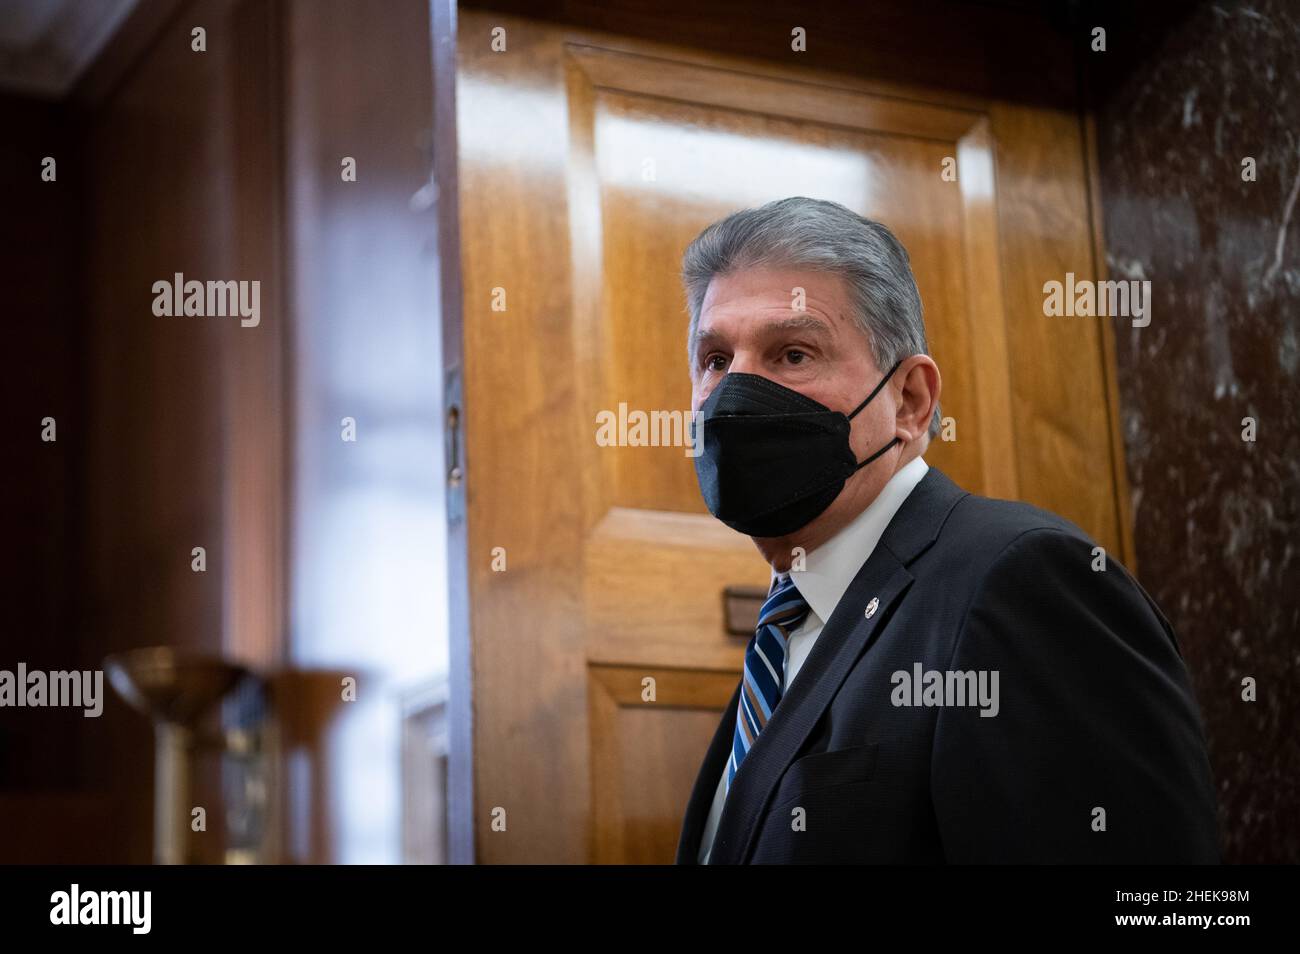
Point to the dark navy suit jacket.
(1096, 754)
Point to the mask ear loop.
(896, 440)
(874, 392)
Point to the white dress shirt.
(827, 574)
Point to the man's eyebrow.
(703, 338)
(801, 322)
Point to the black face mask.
(773, 459)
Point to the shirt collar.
(829, 569)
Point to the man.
(936, 676)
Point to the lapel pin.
(872, 607)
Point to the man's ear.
(920, 383)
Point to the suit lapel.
(845, 636)
(849, 632)
(706, 785)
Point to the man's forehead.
(774, 324)
(774, 286)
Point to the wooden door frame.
(461, 826)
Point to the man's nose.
(745, 363)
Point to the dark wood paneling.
(181, 178)
(38, 482)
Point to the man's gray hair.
(813, 233)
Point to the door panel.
(588, 163)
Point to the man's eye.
(796, 356)
(715, 362)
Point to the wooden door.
(587, 162)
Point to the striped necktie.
(764, 678)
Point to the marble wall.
(1183, 99)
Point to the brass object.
(177, 691)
